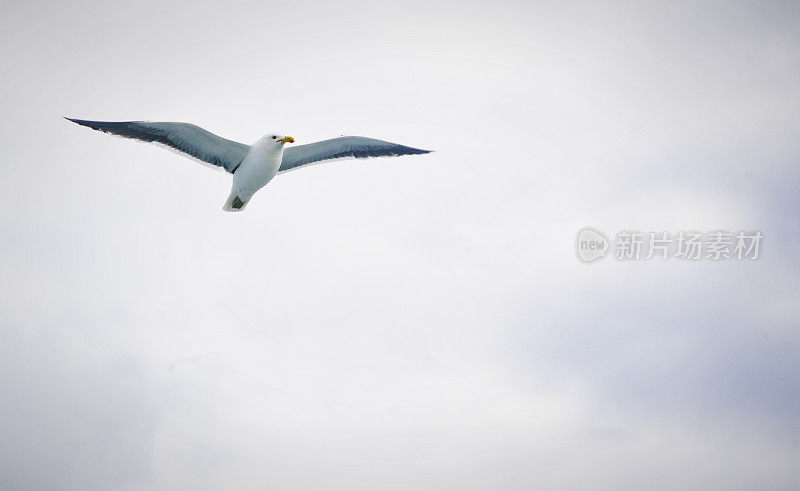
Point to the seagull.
(252, 166)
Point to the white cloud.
(406, 323)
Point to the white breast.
(258, 168)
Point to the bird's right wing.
(191, 140)
(358, 147)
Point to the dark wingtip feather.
(413, 151)
(122, 128)
(82, 122)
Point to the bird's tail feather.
(234, 203)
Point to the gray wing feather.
(358, 147)
(184, 137)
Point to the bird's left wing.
(358, 147)
(187, 138)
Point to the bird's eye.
(273, 137)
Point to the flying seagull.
(252, 166)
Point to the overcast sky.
(411, 323)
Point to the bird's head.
(276, 139)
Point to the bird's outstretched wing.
(358, 147)
(188, 139)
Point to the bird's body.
(257, 169)
(252, 166)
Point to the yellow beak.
(287, 139)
